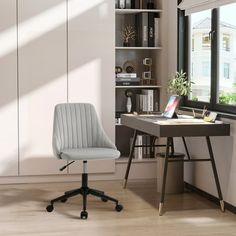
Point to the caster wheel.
(64, 200)
(49, 208)
(104, 200)
(119, 207)
(84, 215)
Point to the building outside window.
(226, 42)
(206, 42)
(206, 68)
(226, 70)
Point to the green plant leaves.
(180, 85)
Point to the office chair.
(78, 135)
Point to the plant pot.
(126, 44)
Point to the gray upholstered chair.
(78, 135)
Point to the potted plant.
(180, 85)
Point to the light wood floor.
(22, 212)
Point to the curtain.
(191, 6)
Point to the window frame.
(183, 61)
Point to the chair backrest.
(76, 125)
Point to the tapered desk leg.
(215, 173)
(186, 148)
(169, 143)
(130, 159)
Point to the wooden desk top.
(159, 127)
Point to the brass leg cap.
(160, 208)
(222, 205)
(124, 183)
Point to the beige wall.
(168, 55)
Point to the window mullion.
(214, 58)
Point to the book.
(149, 100)
(126, 75)
(134, 4)
(139, 150)
(127, 83)
(142, 29)
(156, 31)
(151, 29)
(128, 4)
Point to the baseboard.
(210, 197)
(146, 170)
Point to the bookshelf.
(135, 11)
(134, 55)
(138, 48)
(124, 159)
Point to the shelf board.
(139, 86)
(144, 160)
(138, 48)
(119, 124)
(134, 11)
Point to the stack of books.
(147, 25)
(145, 101)
(143, 150)
(127, 79)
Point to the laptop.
(170, 108)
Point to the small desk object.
(170, 128)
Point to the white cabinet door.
(8, 89)
(42, 81)
(91, 60)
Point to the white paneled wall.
(8, 89)
(65, 53)
(42, 81)
(91, 63)
(91, 45)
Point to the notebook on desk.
(170, 108)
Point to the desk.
(176, 128)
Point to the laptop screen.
(171, 106)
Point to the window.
(226, 41)
(201, 56)
(226, 70)
(206, 42)
(206, 68)
(213, 57)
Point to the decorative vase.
(122, 4)
(128, 104)
(126, 44)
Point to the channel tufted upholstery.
(78, 134)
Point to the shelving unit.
(139, 86)
(135, 11)
(124, 159)
(135, 55)
(138, 48)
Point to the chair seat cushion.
(89, 153)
